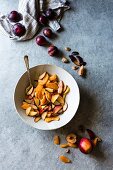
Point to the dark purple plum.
(47, 32)
(14, 16)
(18, 29)
(40, 40)
(52, 50)
(43, 20)
(50, 14)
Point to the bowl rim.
(15, 96)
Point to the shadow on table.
(98, 153)
(85, 114)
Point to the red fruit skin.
(47, 32)
(52, 50)
(40, 40)
(14, 16)
(85, 145)
(43, 20)
(91, 134)
(50, 14)
(19, 29)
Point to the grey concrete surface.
(88, 28)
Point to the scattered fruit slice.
(54, 98)
(49, 119)
(71, 138)
(96, 141)
(57, 109)
(64, 145)
(64, 159)
(42, 76)
(28, 110)
(60, 87)
(72, 145)
(36, 119)
(81, 71)
(56, 140)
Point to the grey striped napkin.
(29, 9)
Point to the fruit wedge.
(28, 110)
(28, 101)
(60, 100)
(36, 119)
(39, 88)
(44, 115)
(54, 98)
(65, 87)
(25, 105)
(57, 109)
(43, 110)
(48, 95)
(37, 101)
(49, 90)
(53, 86)
(65, 107)
(30, 91)
(44, 80)
(33, 113)
(53, 77)
(60, 87)
(44, 100)
(33, 106)
(49, 119)
(64, 159)
(42, 76)
(67, 90)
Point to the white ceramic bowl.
(73, 97)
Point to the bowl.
(73, 97)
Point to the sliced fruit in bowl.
(44, 106)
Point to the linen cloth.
(30, 9)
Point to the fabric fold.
(30, 9)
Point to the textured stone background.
(88, 27)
